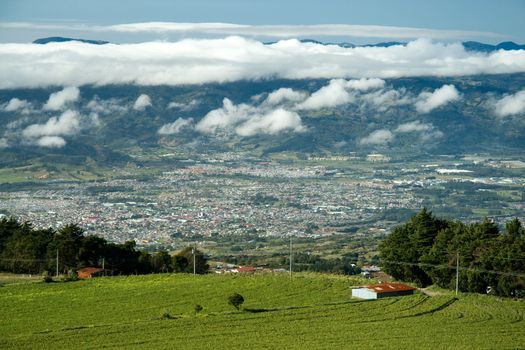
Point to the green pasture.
(308, 311)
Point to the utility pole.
(457, 272)
(291, 256)
(57, 264)
(193, 252)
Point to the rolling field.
(306, 312)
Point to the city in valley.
(232, 196)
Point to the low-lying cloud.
(54, 131)
(428, 101)
(68, 123)
(16, 104)
(377, 137)
(184, 107)
(59, 100)
(339, 92)
(175, 127)
(285, 95)
(425, 131)
(51, 142)
(193, 61)
(511, 104)
(248, 120)
(142, 102)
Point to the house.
(90, 272)
(382, 290)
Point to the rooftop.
(390, 287)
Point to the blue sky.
(501, 17)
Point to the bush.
(47, 279)
(197, 308)
(165, 315)
(236, 300)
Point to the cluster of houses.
(230, 268)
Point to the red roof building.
(90, 272)
(383, 290)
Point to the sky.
(484, 20)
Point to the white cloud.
(175, 127)
(142, 102)
(247, 120)
(58, 100)
(425, 131)
(332, 95)
(277, 31)
(109, 106)
(51, 142)
(283, 95)
(378, 137)
(428, 101)
(271, 123)
(230, 59)
(413, 126)
(16, 104)
(338, 92)
(382, 99)
(364, 84)
(222, 118)
(3, 143)
(511, 104)
(68, 123)
(184, 106)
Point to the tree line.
(426, 250)
(24, 249)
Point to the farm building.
(90, 272)
(382, 290)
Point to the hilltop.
(307, 311)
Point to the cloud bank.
(233, 58)
(275, 31)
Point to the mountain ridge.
(468, 45)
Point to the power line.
(503, 273)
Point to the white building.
(382, 290)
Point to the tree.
(68, 241)
(402, 251)
(179, 263)
(161, 262)
(92, 251)
(515, 228)
(236, 300)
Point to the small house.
(382, 290)
(90, 272)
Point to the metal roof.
(390, 287)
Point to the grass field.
(305, 312)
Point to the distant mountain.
(480, 47)
(59, 39)
(468, 125)
(468, 45)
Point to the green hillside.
(308, 311)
